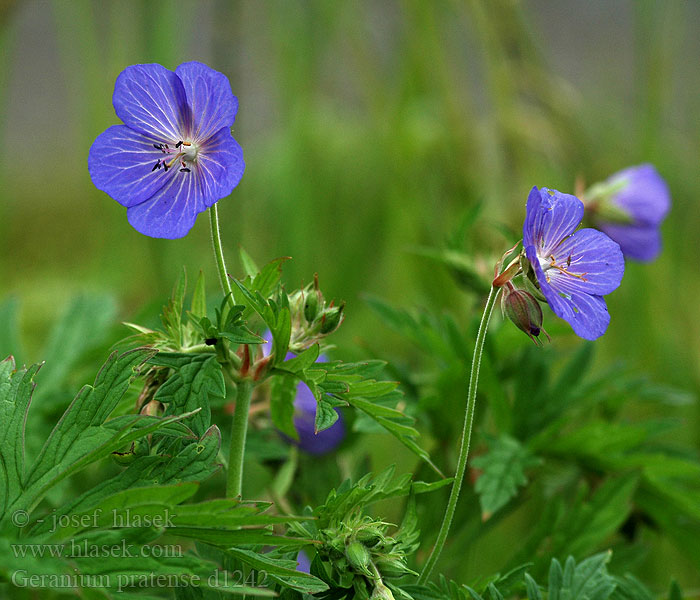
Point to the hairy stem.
(466, 438)
(218, 250)
(239, 430)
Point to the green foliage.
(116, 535)
(355, 554)
(503, 471)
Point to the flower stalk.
(466, 437)
(239, 431)
(219, 251)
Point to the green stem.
(218, 250)
(466, 438)
(239, 430)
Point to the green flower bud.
(359, 557)
(524, 310)
(311, 305)
(332, 318)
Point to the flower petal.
(587, 314)
(171, 212)
(221, 163)
(639, 242)
(645, 197)
(151, 100)
(209, 96)
(548, 222)
(121, 164)
(532, 217)
(591, 255)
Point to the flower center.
(184, 152)
(551, 263)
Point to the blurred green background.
(369, 129)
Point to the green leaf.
(16, 389)
(89, 410)
(533, 590)
(199, 298)
(326, 415)
(301, 362)
(282, 571)
(503, 469)
(589, 580)
(282, 394)
(172, 313)
(196, 380)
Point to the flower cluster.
(174, 156)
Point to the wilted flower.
(573, 270)
(174, 157)
(629, 207)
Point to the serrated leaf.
(98, 443)
(196, 380)
(302, 361)
(16, 389)
(89, 409)
(282, 571)
(503, 469)
(326, 415)
(589, 580)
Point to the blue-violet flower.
(174, 157)
(305, 416)
(642, 198)
(573, 269)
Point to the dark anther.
(184, 170)
(178, 144)
(158, 146)
(156, 166)
(165, 165)
(210, 341)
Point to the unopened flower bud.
(311, 305)
(525, 311)
(332, 318)
(359, 557)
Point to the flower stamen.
(565, 270)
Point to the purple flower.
(305, 416)
(641, 197)
(303, 562)
(174, 157)
(574, 270)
